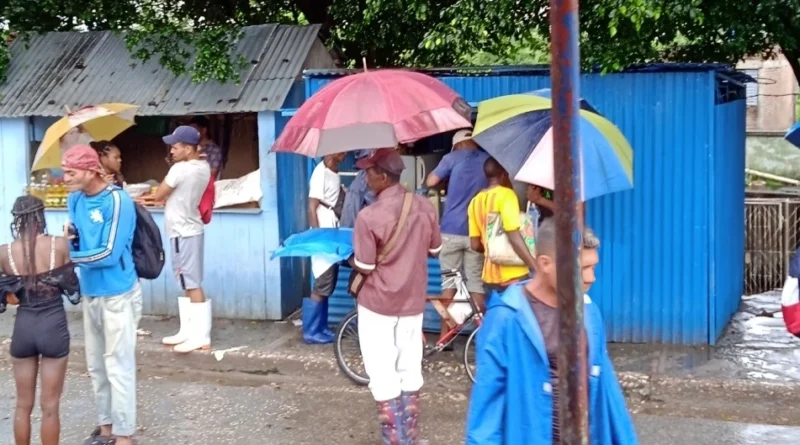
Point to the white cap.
(461, 136)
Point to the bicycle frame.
(476, 317)
(458, 329)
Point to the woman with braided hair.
(111, 160)
(36, 270)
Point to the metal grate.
(771, 237)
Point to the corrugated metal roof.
(75, 69)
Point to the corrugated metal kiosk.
(76, 69)
(671, 268)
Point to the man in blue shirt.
(102, 220)
(358, 195)
(463, 166)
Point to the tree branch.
(317, 12)
(793, 57)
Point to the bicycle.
(348, 351)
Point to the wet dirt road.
(188, 410)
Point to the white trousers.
(392, 352)
(109, 325)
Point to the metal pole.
(565, 75)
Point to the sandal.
(113, 441)
(96, 439)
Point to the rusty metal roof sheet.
(82, 68)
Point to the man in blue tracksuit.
(102, 222)
(515, 397)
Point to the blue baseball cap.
(358, 154)
(385, 158)
(183, 134)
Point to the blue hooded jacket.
(512, 401)
(106, 223)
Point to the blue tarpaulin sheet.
(337, 244)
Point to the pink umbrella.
(373, 109)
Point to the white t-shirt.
(189, 180)
(324, 185)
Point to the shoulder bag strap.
(400, 223)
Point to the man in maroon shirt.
(392, 299)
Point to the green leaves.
(5, 54)
(199, 36)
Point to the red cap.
(384, 158)
(82, 157)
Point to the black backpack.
(148, 250)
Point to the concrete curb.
(641, 388)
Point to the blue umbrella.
(517, 131)
(511, 142)
(793, 135)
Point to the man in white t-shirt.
(325, 200)
(183, 188)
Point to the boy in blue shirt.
(102, 220)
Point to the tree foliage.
(199, 36)
(619, 33)
(694, 31)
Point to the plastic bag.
(499, 247)
(790, 305)
(460, 308)
(231, 192)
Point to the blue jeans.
(109, 325)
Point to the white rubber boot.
(200, 329)
(184, 320)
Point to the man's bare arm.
(476, 244)
(313, 203)
(521, 249)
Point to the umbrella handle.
(66, 107)
(364, 63)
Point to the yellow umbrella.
(100, 122)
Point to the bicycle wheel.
(347, 349)
(470, 363)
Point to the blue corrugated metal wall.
(657, 258)
(728, 158)
(293, 217)
(341, 302)
(235, 260)
(14, 141)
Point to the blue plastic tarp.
(793, 135)
(336, 244)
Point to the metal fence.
(771, 237)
